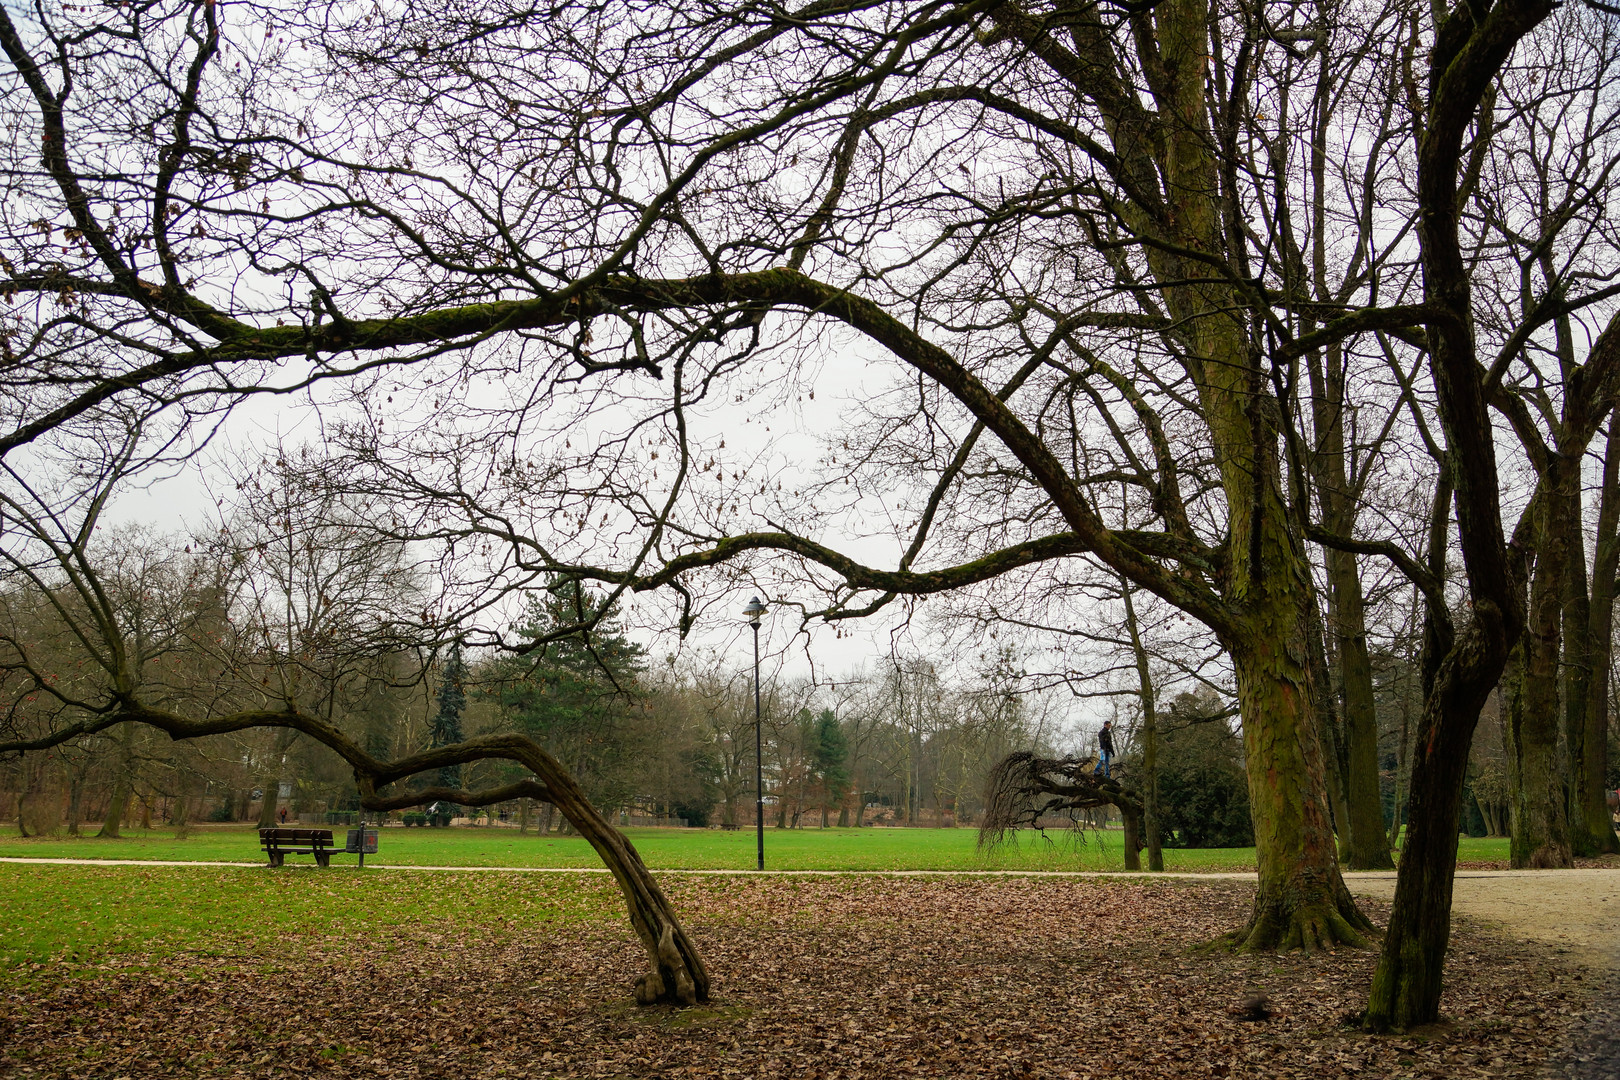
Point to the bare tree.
(1067, 229)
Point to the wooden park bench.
(279, 843)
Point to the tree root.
(1551, 856)
(1319, 927)
(668, 980)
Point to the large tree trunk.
(1302, 901)
(1591, 827)
(1539, 818)
(1406, 985)
(1362, 822)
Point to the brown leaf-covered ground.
(813, 977)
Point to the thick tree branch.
(1431, 587)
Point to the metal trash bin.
(361, 842)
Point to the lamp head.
(753, 611)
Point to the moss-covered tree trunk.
(1538, 816)
(1590, 620)
(1364, 844)
(1301, 901)
(1172, 156)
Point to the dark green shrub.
(1203, 788)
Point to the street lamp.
(753, 611)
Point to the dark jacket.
(1105, 739)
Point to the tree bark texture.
(1327, 721)
(1539, 821)
(1587, 671)
(1302, 901)
(1364, 846)
(1407, 983)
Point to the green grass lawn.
(662, 849)
(686, 849)
(82, 915)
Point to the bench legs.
(279, 858)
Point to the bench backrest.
(296, 836)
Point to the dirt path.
(1573, 910)
(1577, 914)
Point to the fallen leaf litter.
(813, 978)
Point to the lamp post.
(753, 611)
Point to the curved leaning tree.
(1024, 788)
(532, 267)
(98, 635)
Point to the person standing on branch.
(1105, 746)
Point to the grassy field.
(82, 915)
(686, 849)
(665, 849)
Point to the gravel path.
(1576, 913)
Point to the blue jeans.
(1104, 758)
